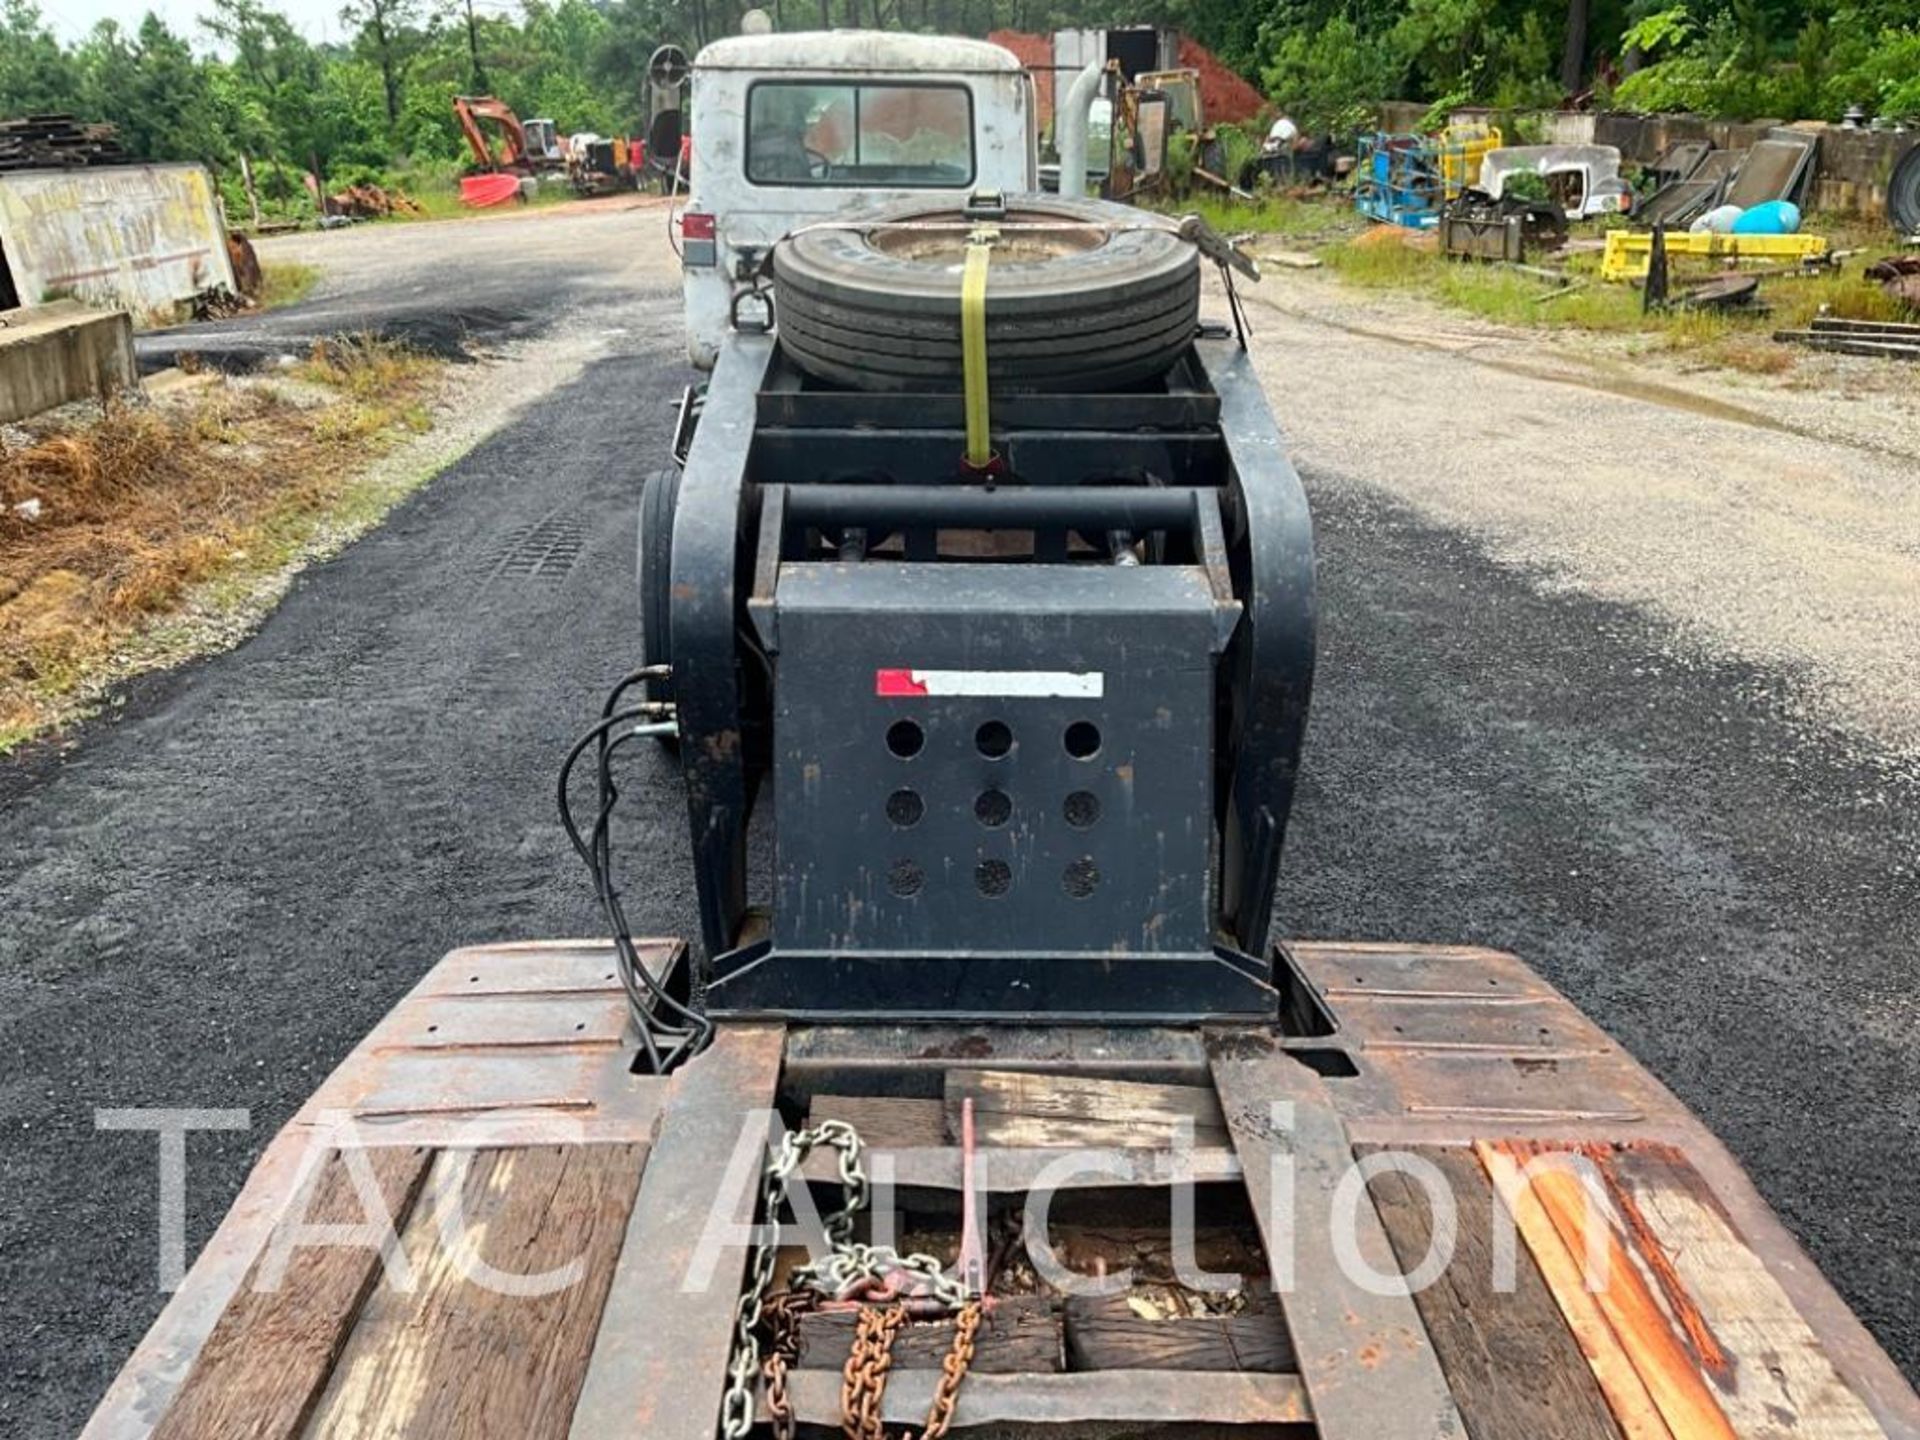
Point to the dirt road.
(210, 897)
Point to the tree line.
(377, 101)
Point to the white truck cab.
(793, 128)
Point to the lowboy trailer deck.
(509, 1075)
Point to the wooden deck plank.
(659, 1365)
(1627, 1394)
(1019, 1109)
(1774, 1378)
(885, 1122)
(1104, 1333)
(1665, 1366)
(470, 1353)
(1512, 1363)
(264, 1365)
(1369, 1367)
(1018, 1335)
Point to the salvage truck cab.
(789, 129)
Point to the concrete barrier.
(55, 354)
(140, 237)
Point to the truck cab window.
(849, 134)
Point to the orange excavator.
(525, 146)
(515, 156)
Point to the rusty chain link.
(782, 1313)
(864, 1380)
(946, 1394)
(848, 1266)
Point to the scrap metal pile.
(50, 142)
(1881, 339)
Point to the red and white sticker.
(1024, 684)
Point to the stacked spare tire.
(1082, 295)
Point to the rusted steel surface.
(660, 1364)
(1155, 1051)
(143, 237)
(1369, 1366)
(1461, 1042)
(521, 1037)
(1140, 1396)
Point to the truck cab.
(794, 128)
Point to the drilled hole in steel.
(905, 878)
(904, 738)
(1083, 739)
(1082, 809)
(992, 807)
(1082, 879)
(905, 807)
(993, 739)
(993, 877)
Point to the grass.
(146, 506)
(1515, 297)
(285, 282)
(1269, 214)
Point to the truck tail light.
(698, 234)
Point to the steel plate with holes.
(993, 759)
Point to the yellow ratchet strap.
(973, 343)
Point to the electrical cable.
(654, 1011)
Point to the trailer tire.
(1109, 299)
(655, 566)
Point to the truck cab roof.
(861, 50)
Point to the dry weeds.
(107, 521)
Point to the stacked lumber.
(1887, 339)
(42, 142)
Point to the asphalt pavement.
(213, 894)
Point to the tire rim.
(938, 237)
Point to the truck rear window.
(847, 134)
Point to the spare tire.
(1082, 295)
(1903, 194)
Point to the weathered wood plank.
(263, 1368)
(1773, 1376)
(1627, 1395)
(886, 1122)
(1103, 1333)
(1020, 1109)
(659, 1365)
(1017, 1335)
(1665, 1366)
(1369, 1368)
(501, 1350)
(1512, 1363)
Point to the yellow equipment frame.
(1628, 253)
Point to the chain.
(946, 1394)
(864, 1380)
(847, 1267)
(783, 1314)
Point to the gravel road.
(210, 897)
